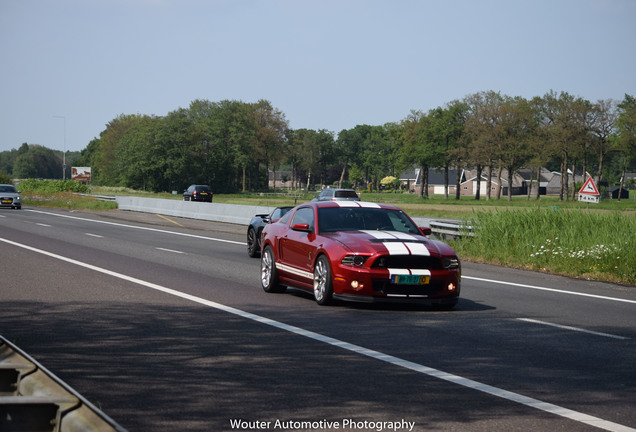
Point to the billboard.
(81, 173)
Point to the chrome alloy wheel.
(267, 268)
(323, 289)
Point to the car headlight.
(354, 260)
(450, 263)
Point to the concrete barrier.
(216, 212)
(243, 214)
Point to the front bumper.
(10, 202)
(374, 284)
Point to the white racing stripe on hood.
(399, 271)
(347, 203)
(368, 204)
(396, 248)
(364, 204)
(418, 249)
(404, 236)
(400, 248)
(380, 235)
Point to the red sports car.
(360, 251)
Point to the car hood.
(389, 242)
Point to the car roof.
(355, 204)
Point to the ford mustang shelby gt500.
(360, 251)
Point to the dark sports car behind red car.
(361, 251)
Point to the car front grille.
(384, 286)
(408, 262)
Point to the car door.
(298, 244)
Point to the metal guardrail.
(100, 197)
(446, 230)
(33, 399)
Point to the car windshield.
(9, 189)
(333, 219)
(346, 194)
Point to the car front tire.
(323, 285)
(269, 274)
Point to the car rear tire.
(269, 274)
(252, 243)
(323, 285)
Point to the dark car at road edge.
(198, 193)
(256, 225)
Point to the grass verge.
(579, 243)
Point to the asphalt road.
(161, 322)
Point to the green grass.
(67, 200)
(60, 194)
(573, 242)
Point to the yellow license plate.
(410, 279)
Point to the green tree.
(421, 145)
(518, 126)
(483, 133)
(448, 125)
(625, 138)
(603, 116)
(349, 147)
(139, 156)
(35, 161)
(269, 136)
(563, 118)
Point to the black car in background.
(198, 193)
(256, 226)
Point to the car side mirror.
(426, 230)
(301, 227)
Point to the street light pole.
(64, 153)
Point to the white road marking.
(577, 329)
(550, 289)
(94, 235)
(170, 250)
(387, 358)
(44, 225)
(140, 228)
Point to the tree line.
(233, 145)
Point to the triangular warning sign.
(589, 187)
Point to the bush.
(31, 186)
(5, 178)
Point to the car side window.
(304, 215)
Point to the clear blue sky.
(327, 64)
